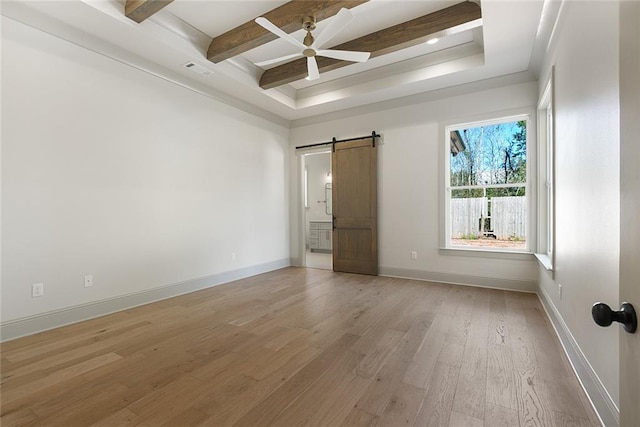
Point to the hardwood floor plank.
(167, 401)
(76, 397)
(498, 330)
(471, 390)
(59, 360)
(235, 409)
(227, 395)
(123, 417)
(376, 356)
(334, 410)
(87, 410)
(499, 416)
(301, 347)
(20, 417)
(531, 403)
(267, 410)
(379, 391)
(57, 378)
(390, 375)
(451, 354)
(462, 420)
(331, 396)
(459, 303)
(276, 343)
(403, 406)
(500, 380)
(271, 362)
(438, 401)
(39, 351)
(420, 305)
(189, 417)
(359, 418)
(426, 357)
(565, 420)
(563, 391)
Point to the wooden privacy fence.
(465, 216)
(507, 219)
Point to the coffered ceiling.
(476, 41)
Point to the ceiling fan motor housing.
(309, 23)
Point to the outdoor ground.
(491, 243)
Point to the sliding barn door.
(355, 208)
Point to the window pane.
(488, 204)
(493, 154)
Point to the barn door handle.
(604, 316)
(334, 222)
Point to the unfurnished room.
(320, 213)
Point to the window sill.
(545, 261)
(487, 253)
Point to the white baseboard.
(33, 324)
(461, 279)
(601, 401)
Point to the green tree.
(515, 155)
(493, 154)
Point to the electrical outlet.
(414, 255)
(88, 281)
(37, 290)
(559, 291)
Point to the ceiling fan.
(311, 47)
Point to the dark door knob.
(604, 316)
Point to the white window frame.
(487, 120)
(545, 252)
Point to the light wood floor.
(301, 347)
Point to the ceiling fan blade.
(277, 60)
(337, 24)
(345, 55)
(312, 68)
(267, 25)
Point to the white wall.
(409, 185)
(110, 171)
(585, 53)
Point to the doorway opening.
(318, 219)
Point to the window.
(546, 192)
(486, 185)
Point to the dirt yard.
(491, 243)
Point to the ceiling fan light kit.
(310, 46)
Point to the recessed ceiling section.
(448, 21)
(492, 39)
(396, 36)
(444, 43)
(399, 72)
(409, 82)
(416, 62)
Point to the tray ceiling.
(502, 42)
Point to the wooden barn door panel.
(355, 190)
